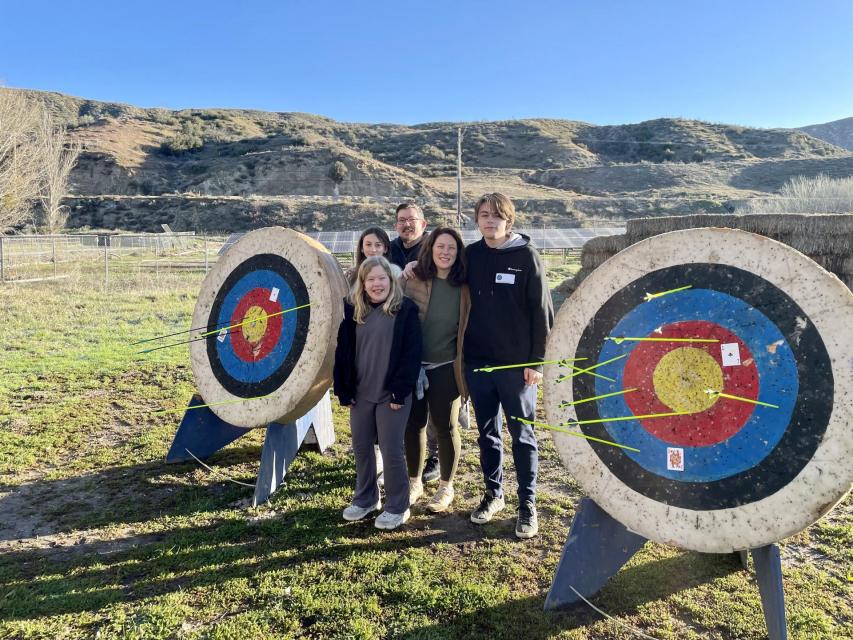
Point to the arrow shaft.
(577, 434)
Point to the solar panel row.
(574, 238)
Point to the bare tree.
(60, 155)
(21, 156)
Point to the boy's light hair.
(358, 296)
(500, 203)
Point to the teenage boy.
(511, 316)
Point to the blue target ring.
(772, 446)
(261, 369)
(250, 378)
(761, 432)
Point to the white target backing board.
(272, 305)
(739, 350)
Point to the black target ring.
(808, 423)
(287, 272)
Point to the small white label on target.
(274, 294)
(222, 335)
(675, 459)
(731, 354)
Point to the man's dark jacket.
(400, 255)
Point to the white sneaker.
(353, 512)
(442, 499)
(416, 490)
(390, 521)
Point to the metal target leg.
(203, 433)
(282, 443)
(768, 572)
(597, 547)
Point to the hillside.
(224, 170)
(837, 132)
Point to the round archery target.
(709, 394)
(265, 304)
(269, 312)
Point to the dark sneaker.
(527, 524)
(431, 471)
(489, 506)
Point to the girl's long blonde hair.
(358, 296)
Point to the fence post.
(2, 262)
(106, 262)
(205, 254)
(53, 253)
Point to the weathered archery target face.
(260, 303)
(272, 305)
(760, 322)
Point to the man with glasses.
(410, 226)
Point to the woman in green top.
(439, 290)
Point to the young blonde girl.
(377, 361)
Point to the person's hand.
(409, 271)
(531, 377)
(394, 406)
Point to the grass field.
(99, 538)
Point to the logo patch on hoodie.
(514, 269)
(505, 278)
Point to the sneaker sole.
(436, 508)
(526, 536)
(484, 520)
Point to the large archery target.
(272, 304)
(727, 474)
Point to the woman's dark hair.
(359, 249)
(426, 269)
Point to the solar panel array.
(573, 238)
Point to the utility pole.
(459, 222)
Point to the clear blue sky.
(754, 62)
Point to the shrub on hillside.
(800, 194)
(189, 139)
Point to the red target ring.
(252, 351)
(720, 420)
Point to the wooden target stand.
(202, 433)
(711, 405)
(271, 307)
(599, 545)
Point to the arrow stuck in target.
(575, 433)
(223, 329)
(720, 394)
(652, 296)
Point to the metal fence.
(31, 258)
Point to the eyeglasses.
(408, 221)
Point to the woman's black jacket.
(404, 363)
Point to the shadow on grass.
(38, 584)
(126, 495)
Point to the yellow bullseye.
(255, 324)
(682, 376)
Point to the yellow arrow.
(648, 415)
(575, 433)
(527, 364)
(589, 370)
(258, 319)
(604, 395)
(201, 406)
(652, 296)
(621, 339)
(720, 394)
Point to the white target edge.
(821, 484)
(311, 374)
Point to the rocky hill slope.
(224, 170)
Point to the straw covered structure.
(825, 238)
